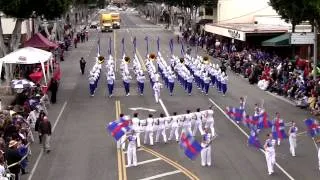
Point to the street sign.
(302, 38)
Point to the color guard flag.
(264, 121)
(254, 139)
(118, 128)
(278, 129)
(122, 42)
(251, 121)
(158, 44)
(190, 146)
(313, 127)
(147, 42)
(236, 114)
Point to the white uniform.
(270, 154)
(206, 150)
(174, 128)
(132, 150)
(198, 124)
(186, 123)
(149, 131)
(210, 121)
(293, 139)
(161, 129)
(136, 128)
(156, 88)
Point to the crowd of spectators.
(18, 122)
(292, 79)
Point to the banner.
(171, 46)
(110, 46)
(158, 44)
(147, 42)
(134, 45)
(182, 49)
(122, 41)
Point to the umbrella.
(21, 84)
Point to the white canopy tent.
(29, 55)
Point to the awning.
(279, 41)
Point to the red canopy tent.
(41, 42)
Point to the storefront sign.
(302, 38)
(234, 34)
(231, 33)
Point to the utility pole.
(315, 51)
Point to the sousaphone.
(127, 59)
(152, 56)
(100, 59)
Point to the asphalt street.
(82, 149)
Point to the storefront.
(244, 34)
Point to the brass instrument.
(127, 59)
(152, 56)
(205, 59)
(100, 59)
(182, 60)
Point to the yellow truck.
(115, 20)
(105, 22)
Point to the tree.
(296, 11)
(52, 9)
(21, 10)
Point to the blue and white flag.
(98, 48)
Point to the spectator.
(13, 156)
(45, 131)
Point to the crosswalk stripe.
(147, 161)
(162, 175)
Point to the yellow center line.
(141, 61)
(120, 165)
(123, 162)
(174, 164)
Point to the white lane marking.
(225, 114)
(164, 108)
(138, 54)
(147, 161)
(162, 175)
(41, 152)
(281, 98)
(125, 152)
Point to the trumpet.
(152, 56)
(127, 59)
(100, 59)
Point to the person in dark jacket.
(45, 131)
(39, 120)
(82, 65)
(53, 88)
(13, 156)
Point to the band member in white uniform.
(206, 148)
(136, 127)
(198, 123)
(186, 123)
(293, 138)
(149, 130)
(156, 88)
(270, 152)
(132, 149)
(210, 120)
(174, 127)
(161, 128)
